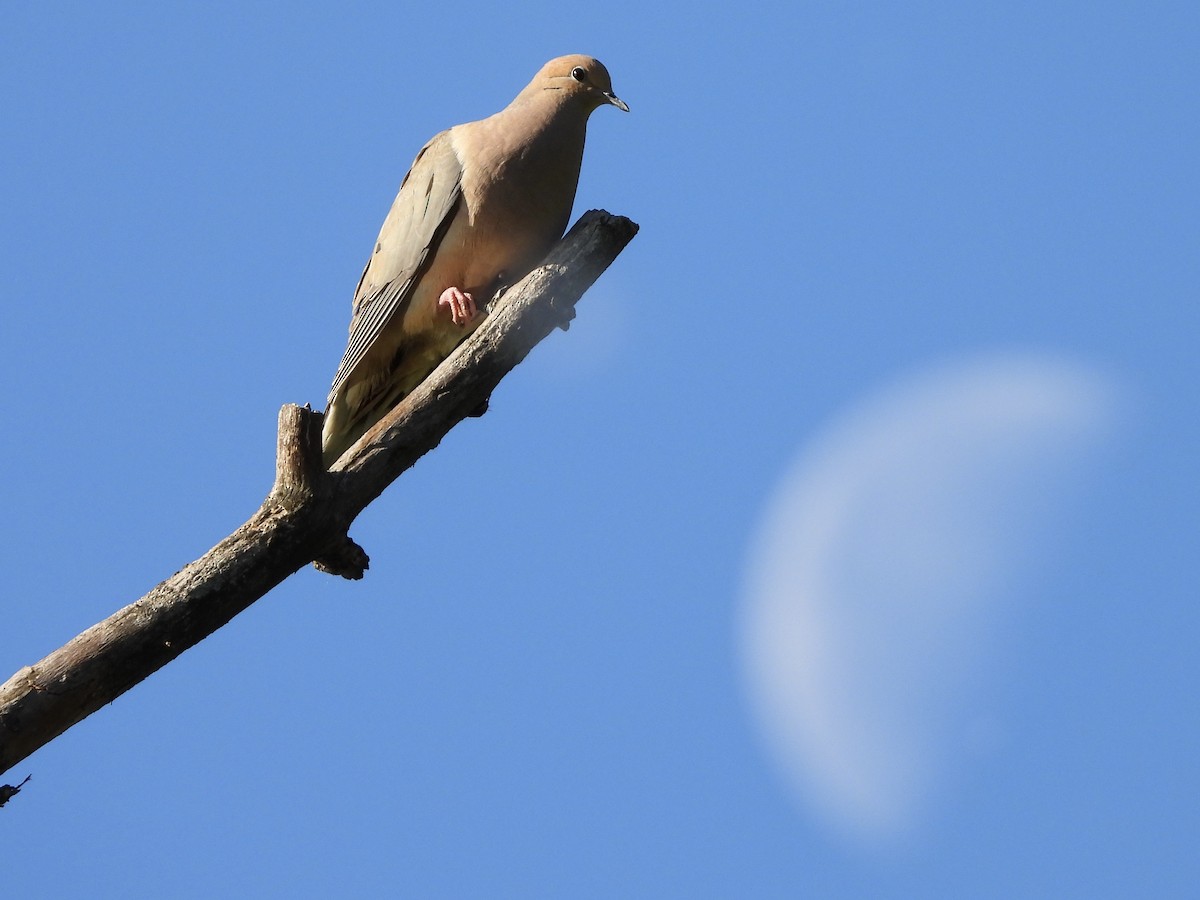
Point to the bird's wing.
(429, 199)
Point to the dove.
(481, 205)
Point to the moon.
(882, 564)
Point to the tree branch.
(306, 516)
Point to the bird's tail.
(335, 439)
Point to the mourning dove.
(481, 205)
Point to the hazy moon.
(881, 562)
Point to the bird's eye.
(579, 73)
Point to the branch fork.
(308, 512)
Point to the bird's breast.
(520, 191)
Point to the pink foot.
(460, 304)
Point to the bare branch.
(306, 516)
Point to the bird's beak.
(616, 101)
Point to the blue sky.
(844, 547)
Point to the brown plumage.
(481, 205)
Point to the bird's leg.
(460, 304)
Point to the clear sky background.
(846, 546)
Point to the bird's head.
(585, 80)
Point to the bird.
(480, 206)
